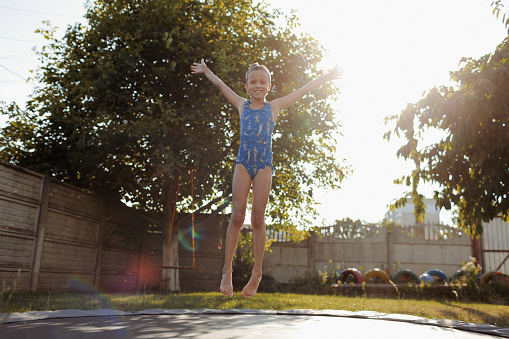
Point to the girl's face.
(258, 84)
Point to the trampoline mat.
(209, 323)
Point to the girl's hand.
(335, 74)
(198, 67)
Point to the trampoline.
(235, 323)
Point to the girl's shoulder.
(275, 108)
(242, 106)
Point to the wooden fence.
(54, 236)
(59, 237)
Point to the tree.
(471, 163)
(499, 7)
(118, 112)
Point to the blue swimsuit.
(256, 126)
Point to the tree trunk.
(170, 281)
(170, 277)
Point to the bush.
(311, 283)
(243, 260)
(269, 284)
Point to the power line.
(9, 81)
(20, 61)
(45, 13)
(10, 56)
(16, 74)
(20, 40)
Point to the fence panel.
(20, 199)
(495, 244)
(60, 237)
(209, 258)
(418, 248)
(49, 233)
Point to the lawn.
(497, 315)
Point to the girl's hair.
(257, 67)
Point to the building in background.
(404, 216)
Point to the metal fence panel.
(495, 241)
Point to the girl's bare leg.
(261, 189)
(240, 192)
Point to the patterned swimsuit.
(256, 126)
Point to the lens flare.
(185, 237)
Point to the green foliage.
(352, 229)
(498, 8)
(470, 163)
(390, 224)
(328, 273)
(312, 283)
(468, 286)
(498, 289)
(118, 112)
(243, 260)
(6, 294)
(470, 275)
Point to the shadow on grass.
(472, 314)
(40, 301)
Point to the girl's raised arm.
(236, 100)
(288, 100)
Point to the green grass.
(469, 312)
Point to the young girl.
(254, 160)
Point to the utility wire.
(45, 13)
(19, 76)
(16, 56)
(16, 74)
(20, 61)
(20, 40)
(6, 81)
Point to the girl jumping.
(254, 160)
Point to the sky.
(390, 51)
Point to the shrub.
(243, 260)
(312, 283)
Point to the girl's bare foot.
(226, 284)
(252, 285)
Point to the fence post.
(99, 244)
(40, 229)
(143, 250)
(390, 252)
(477, 252)
(311, 263)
